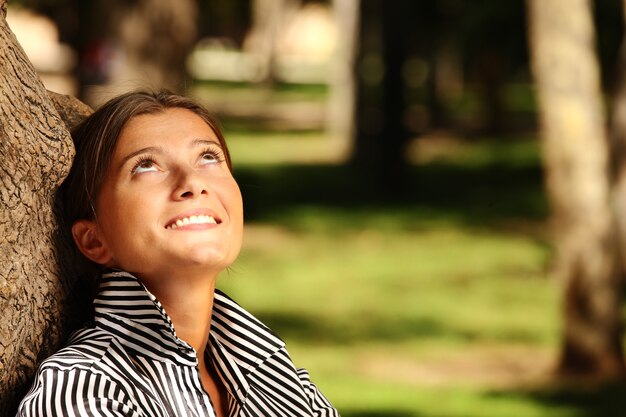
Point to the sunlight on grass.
(255, 148)
(443, 283)
(510, 152)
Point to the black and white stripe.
(130, 363)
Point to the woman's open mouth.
(185, 221)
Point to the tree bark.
(576, 166)
(37, 152)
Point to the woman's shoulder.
(84, 377)
(85, 348)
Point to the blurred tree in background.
(126, 44)
(576, 163)
(416, 60)
(156, 38)
(268, 16)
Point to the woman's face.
(168, 203)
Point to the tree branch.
(72, 110)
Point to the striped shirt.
(131, 363)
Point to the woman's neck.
(189, 304)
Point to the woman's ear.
(85, 234)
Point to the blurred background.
(398, 230)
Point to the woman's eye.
(209, 158)
(146, 165)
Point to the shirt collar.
(126, 308)
(238, 343)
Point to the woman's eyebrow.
(204, 142)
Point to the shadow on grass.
(355, 330)
(473, 196)
(377, 413)
(603, 400)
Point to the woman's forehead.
(171, 127)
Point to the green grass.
(435, 304)
(279, 91)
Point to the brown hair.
(96, 137)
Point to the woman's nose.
(189, 184)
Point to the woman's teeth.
(192, 220)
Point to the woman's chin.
(207, 260)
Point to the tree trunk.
(381, 107)
(154, 38)
(36, 154)
(341, 105)
(269, 17)
(618, 145)
(576, 165)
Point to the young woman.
(152, 200)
